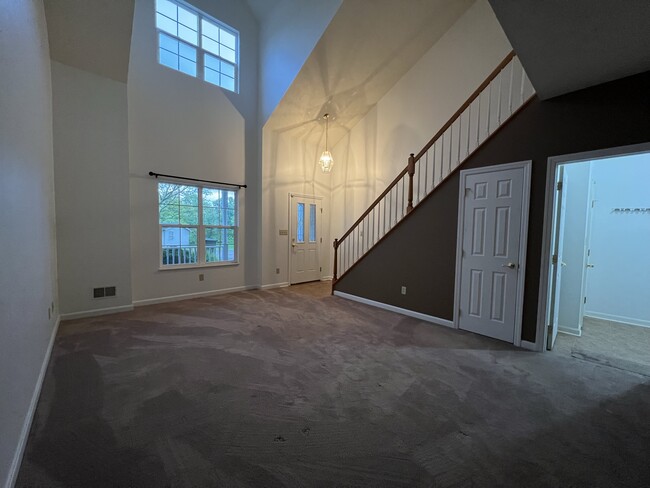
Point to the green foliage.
(178, 204)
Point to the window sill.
(198, 266)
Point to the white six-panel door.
(492, 214)
(305, 239)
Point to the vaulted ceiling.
(262, 8)
(370, 44)
(367, 47)
(93, 35)
(568, 45)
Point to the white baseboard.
(392, 308)
(97, 312)
(27, 424)
(618, 318)
(270, 286)
(531, 346)
(189, 296)
(327, 278)
(570, 331)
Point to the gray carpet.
(296, 388)
(614, 344)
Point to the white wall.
(28, 273)
(617, 286)
(410, 113)
(287, 37)
(576, 194)
(91, 169)
(183, 126)
(377, 148)
(290, 166)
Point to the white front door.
(305, 239)
(492, 229)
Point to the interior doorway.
(598, 265)
(305, 238)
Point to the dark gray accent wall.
(421, 252)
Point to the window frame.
(200, 226)
(200, 51)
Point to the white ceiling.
(365, 50)
(262, 8)
(566, 45)
(91, 35)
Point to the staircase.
(505, 91)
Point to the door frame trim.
(547, 229)
(290, 228)
(523, 238)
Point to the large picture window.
(193, 43)
(198, 225)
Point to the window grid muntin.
(201, 252)
(226, 81)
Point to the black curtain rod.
(151, 173)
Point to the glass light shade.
(326, 161)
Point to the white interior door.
(305, 240)
(588, 261)
(492, 227)
(557, 244)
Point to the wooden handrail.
(374, 204)
(412, 160)
(453, 118)
(467, 103)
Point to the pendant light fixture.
(326, 161)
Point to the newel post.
(411, 171)
(336, 256)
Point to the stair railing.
(504, 92)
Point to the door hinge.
(585, 300)
(321, 210)
(321, 269)
(554, 259)
(321, 240)
(550, 328)
(559, 186)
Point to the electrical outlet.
(201, 276)
(403, 290)
(277, 270)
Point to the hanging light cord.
(327, 125)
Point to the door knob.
(509, 265)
